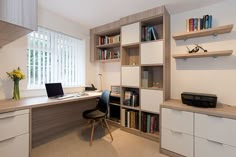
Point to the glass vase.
(16, 90)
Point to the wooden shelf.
(130, 107)
(116, 104)
(115, 95)
(109, 60)
(203, 54)
(205, 32)
(108, 45)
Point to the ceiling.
(92, 13)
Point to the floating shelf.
(108, 45)
(109, 60)
(205, 32)
(203, 54)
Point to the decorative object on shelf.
(16, 76)
(196, 49)
(196, 24)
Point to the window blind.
(55, 57)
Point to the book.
(136, 120)
(132, 119)
(127, 98)
(152, 124)
(148, 123)
(187, 25)
(154, 33)
(122, 117)
(210, 21)
(144, 122)
(191, 24)
(206, 21)
(195, 24)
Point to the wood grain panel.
(50, 121)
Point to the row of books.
(131, 98)
(196, 24)
(149, 123)
(108, 39)
(131, 118)
(108, 54)
(149, 33)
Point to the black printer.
(199, 99)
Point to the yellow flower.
(16, 74)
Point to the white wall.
(206, 75)
(14, 55)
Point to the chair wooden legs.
(92, 132)
(108, 128)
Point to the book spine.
(152, 124)
(136, 120)
(195, 25)
(144, 122)
(128, 119)
(201, 23)
(191, 24)
(122, 117)
(187, 25)
(132, 119)
(148, 123)
(207, 21)
(210, 21)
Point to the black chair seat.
(93, 114)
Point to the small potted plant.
(16, 76)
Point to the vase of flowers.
(16, 76)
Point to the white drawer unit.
(13, 124)
(152, 53)
(177, 142)
(130, 76)
(151, 100)
(222, 130)
(176, 120)
(130, 34)
(15, 146)
(208, 148)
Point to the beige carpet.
(76, 144)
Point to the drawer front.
(180, 121)
(217, 129)
(130, 34)
(207, 148)
(177, 142)
(151, 100)
(11, 126)
(152, 53)
(15, 147)
(130, 76)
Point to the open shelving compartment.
(152, 77)
(131, 55)
(150, 123)
(108, 46)
(152, 29)
(130, 98)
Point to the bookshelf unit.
(144, 48)
(145, 68)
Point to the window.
(55, 57)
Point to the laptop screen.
(54, 89)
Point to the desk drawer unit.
(14, 124)
(15, 147)
(14, 134)
(221, 130)
(208, 148)
(176, 120)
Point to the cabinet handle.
(215, 142)
(176, 132)
(8, 139)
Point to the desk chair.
(99, 113)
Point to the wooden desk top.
(33, 102)
(221, 110)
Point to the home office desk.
(47, 117)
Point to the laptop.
(55, 91)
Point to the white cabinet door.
(218, 129)
(151, 100)
(176, 120)
(152, 53)
(130, 76)
(19, 12)
(12, 125)
(15, 147)
(207, 148)
(177, 142)
(130, 34)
